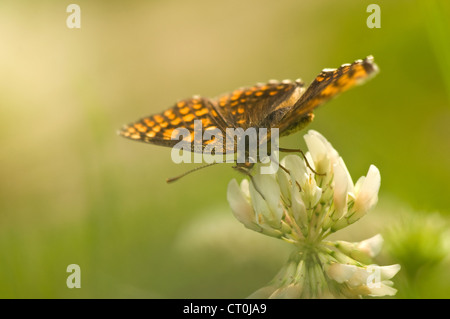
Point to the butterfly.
(286, 105)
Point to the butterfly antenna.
(173, 179)
(288, 150)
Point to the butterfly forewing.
(328, 84)
(160, 128)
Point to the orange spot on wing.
(185, 110)
(188, 118)
(148, 122)
(140, 127)
(158, 118)
(168, 133)
(236, 95)
(206, 122)
(202, 112)
(330, 90)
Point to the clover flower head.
(303, 203)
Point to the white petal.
(359, 184)
(340, 272)
(359, 277)
(387, 272)
(372, 246)
(292, 291)
(382, 290)
(340, 190)
(269, 207)
(350, 185)
(263, 293)
(298, 207)
(241, 208)
(318, 151)
(296, 167)
(284, 182)
(366, 194)
(245, 188)
(272, 166)
(331, 154)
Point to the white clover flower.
(372, 280)
(303, 208)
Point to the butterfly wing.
(160, 128)
(328, 84)
(251, 107)
(285, 105)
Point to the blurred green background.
(72, 191)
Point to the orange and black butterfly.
(285, 105)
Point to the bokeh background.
(72, 191)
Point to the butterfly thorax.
(297, 126)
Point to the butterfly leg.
(245, 169)
(288, 172)
(288, 150)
